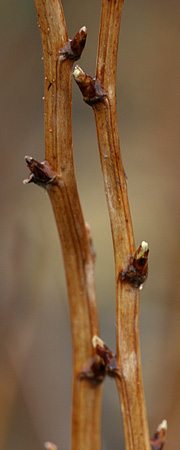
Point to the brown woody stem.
(59, 54)
(129, 382)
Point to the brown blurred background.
(35, 343)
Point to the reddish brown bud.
(91, 88)
(107, 356)
(159, 438)
(73, 48)
(102, 364)
(41, 173)
(137, 268)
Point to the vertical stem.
(129, 384)
(76, 248)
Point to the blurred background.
(35, 385)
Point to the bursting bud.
(159, 438)
(91, 88)
(137, 268)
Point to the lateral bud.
(41, 173)
(159, 438)
(107, 356)
(74, 47)
(136, 271)
(91, 88)
(101, 364)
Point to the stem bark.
(129, 383)
(76, 248)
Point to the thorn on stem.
(41, 173)
(136, 271)
(91, 88)
(74, 47)
(159, 438)
(50, 84)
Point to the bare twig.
(56, 174)
(101, 94)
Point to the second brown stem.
(100, 93)
(129, 383)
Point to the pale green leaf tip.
(144, 246)
(163, 425)
(97, 341)
(83, 29)
(77, 72)
(142, 249)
